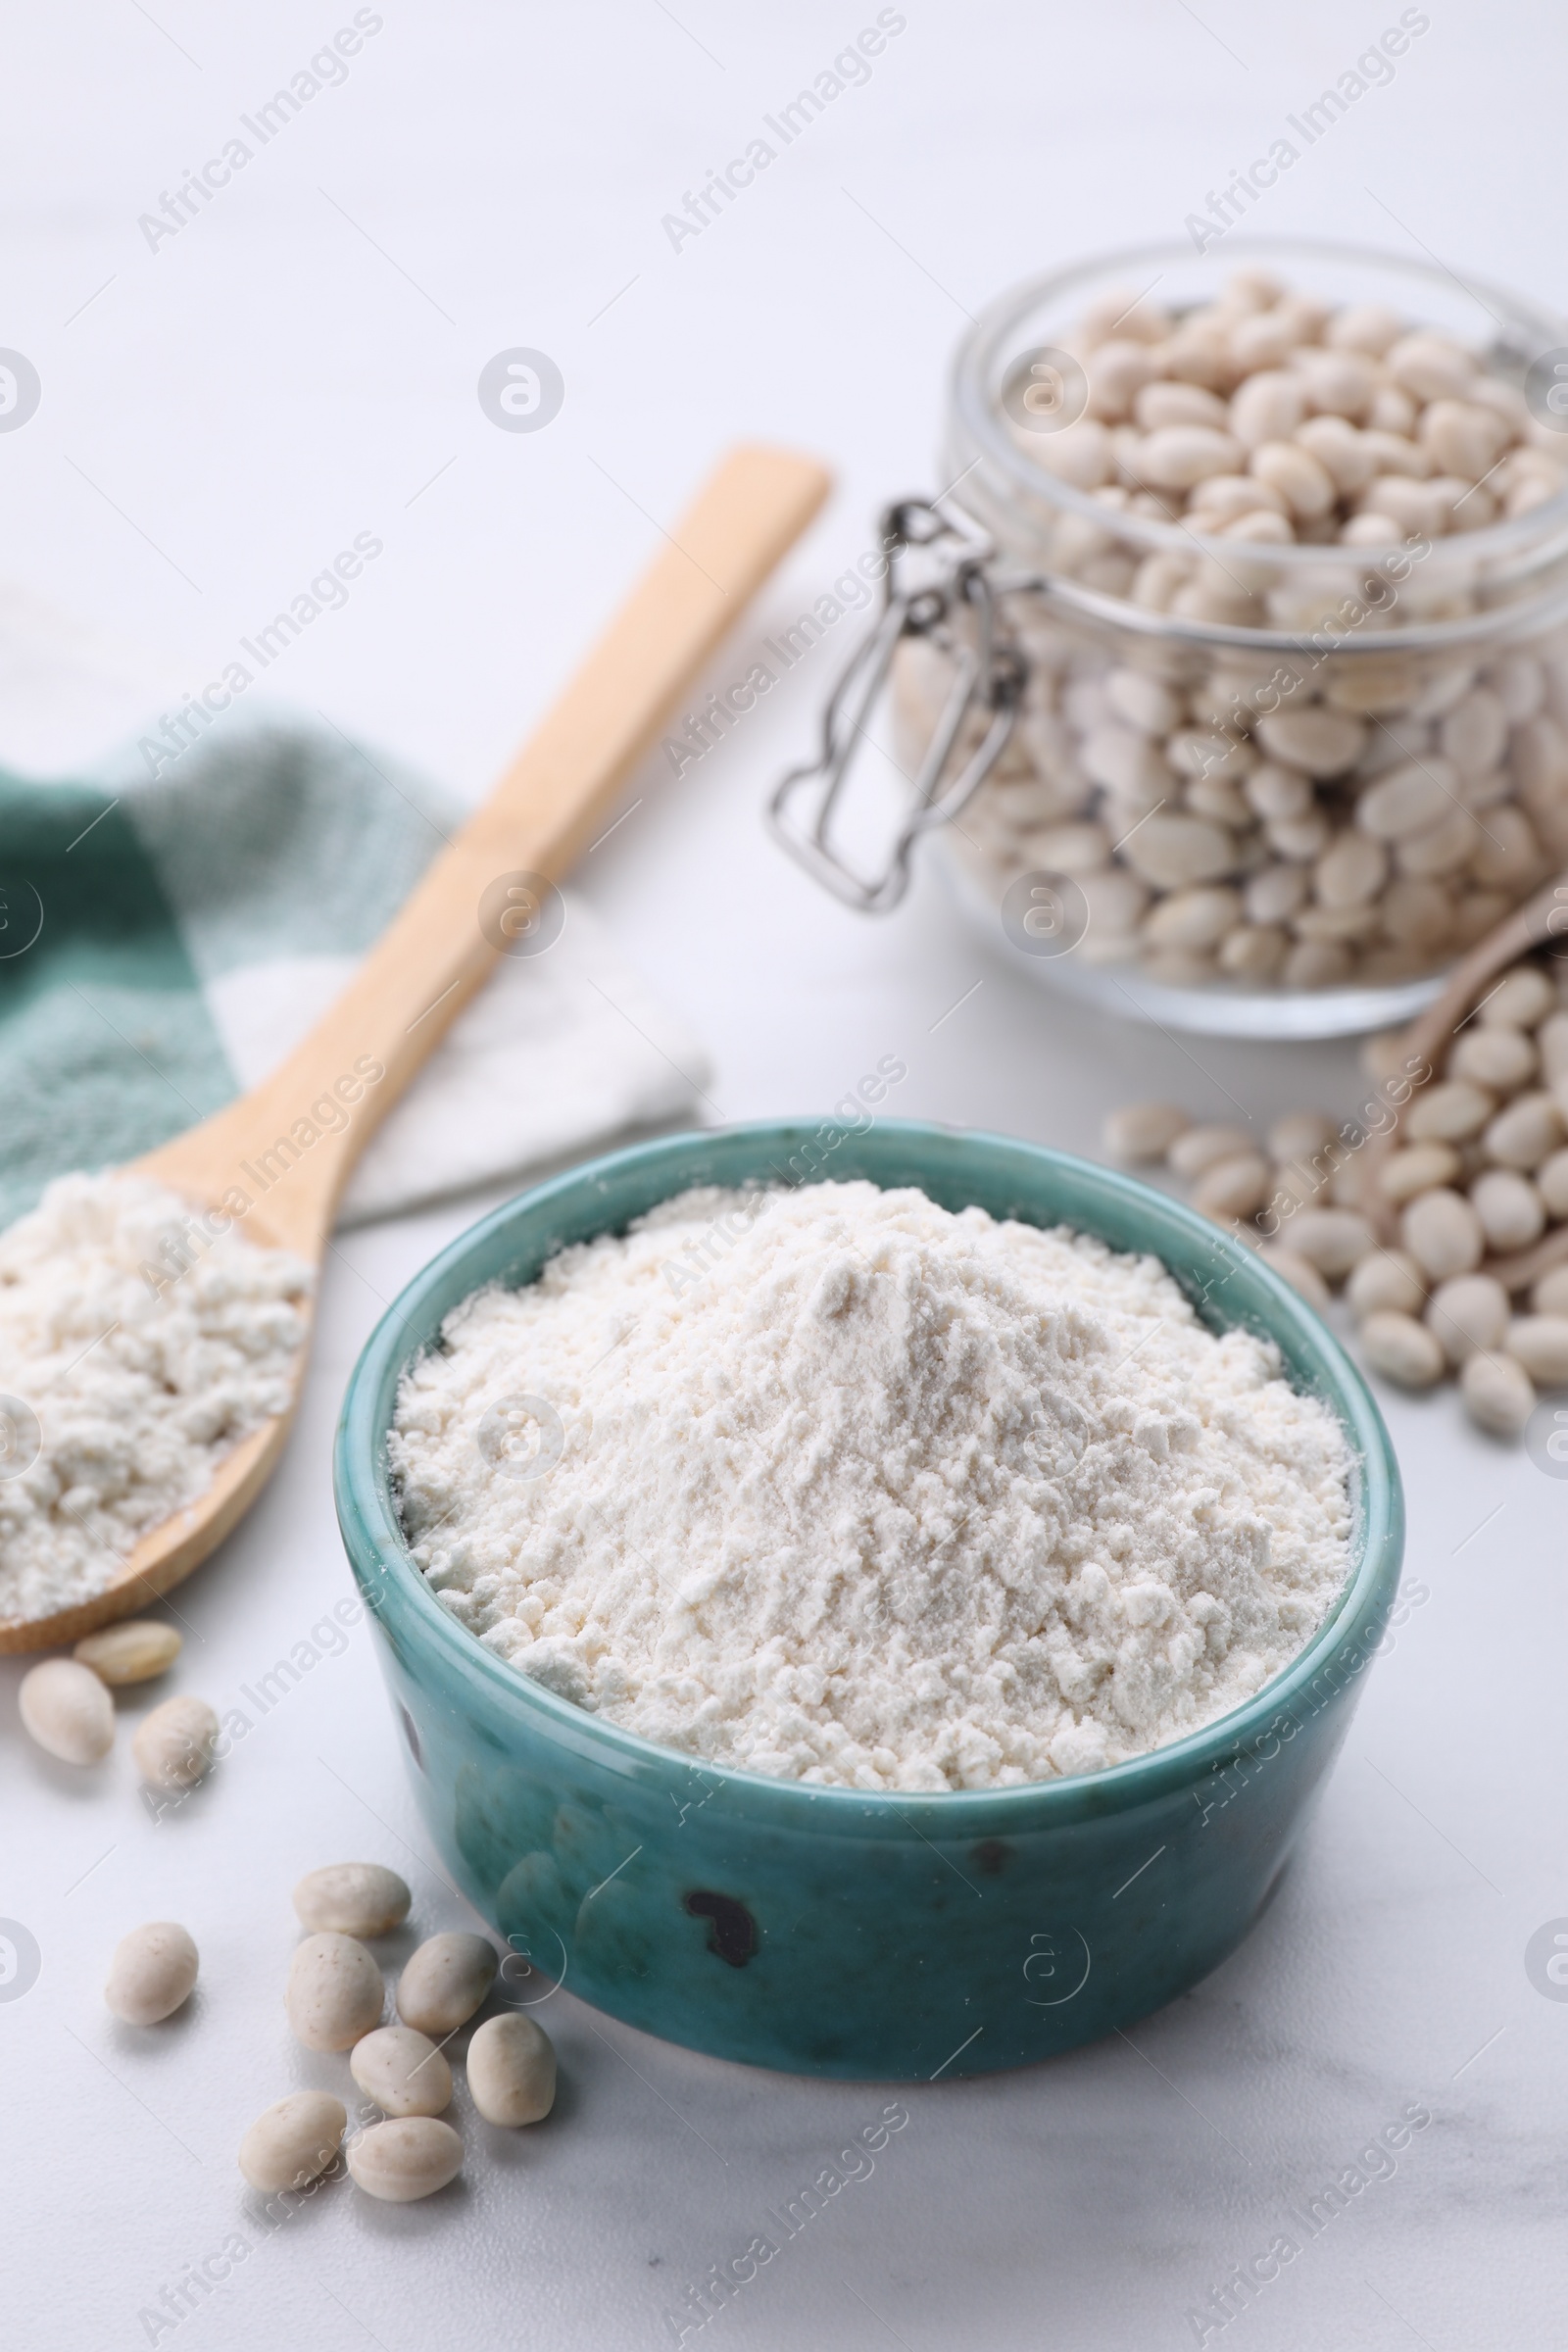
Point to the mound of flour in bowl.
(834, 1485)
(137, 1345)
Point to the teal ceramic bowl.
(824, 1930)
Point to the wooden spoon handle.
(436, 956)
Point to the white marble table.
(222, 410)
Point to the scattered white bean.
(1402, 1349)
(1443, 1234)
(445, 1981)
(402, 2070)
(68, 1710)
(1541, 1343)
(512, 2070)
(1233, 1188)
(1300, 1135)
(1143, 1131)
(1498, 1394)
(1512, 1212)
(351, 1898)
(152, 1974)
(1386, 1281)
(1469, 1313)
(133, 1651)
(292, 2143)
(335, 1995)
(1334, 1240)
(1196, 1148)
(411, 2156)
(173, 1746)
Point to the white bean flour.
(886, 1497)
(133, 1378)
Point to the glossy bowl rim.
(376, 1546)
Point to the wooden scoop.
(440, 949)
(1539, 921)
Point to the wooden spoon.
(1541, 919)
(436, 954)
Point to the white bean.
(1400, 1349)
(1511, 1211)
(1475, 732)
(1306, 485)
(1352, 872)
(1448, 1113)
(1498, 1394)
(1233, 1188)
(445, 1981)
(174, 1746)
(133, 1651)
(1299, 1134)
(1526, 1133)
(1541, 1343)
(1321, 740)
(351, 1898)
(1502, 1059)
(1525, 998)
(1163, 403)
(68, 1710)
(1268, 407)
(1469, 1313)
(1443, 1234)
(1417, 1169)
(411, 2156)
(1317, 964)
(402, 2070)
(1177, 456)
(512, 2070)
(1340, 450)
(1551, 1044)
(335, 1995)
(1170, 850)
(1253, 951)
(1550, 1295)
(1406, 800)
(153, 1972)
(1386, 1280)
(1145, 702)
(1463, 438)
(1363, 326)
(1198, 1148)
(1334, 1240)
(1552, 1183)
(1431, 367)
(1193, 918)
(1392, 454)
(291, 2144)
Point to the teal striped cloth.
(133, 910)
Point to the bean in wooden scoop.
(474, 903)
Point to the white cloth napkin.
(558, 1053)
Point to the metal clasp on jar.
(937, 586)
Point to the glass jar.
(1179, 826)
